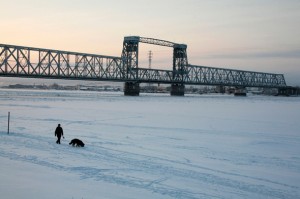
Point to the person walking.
(59, 132)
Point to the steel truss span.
(23, 61)
(153, 41)
(204, 75)
(20, 61)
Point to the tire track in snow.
(162, 167)
(125, 166)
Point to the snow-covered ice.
(151, 146)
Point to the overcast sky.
(256, 35)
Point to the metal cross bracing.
(131, 51)
(203, 75)
(23, 61)
(146, 40)
(20, 61)
(183, 73)
(155, 76)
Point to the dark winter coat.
(59, 131)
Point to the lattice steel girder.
(8, 65)
(180, 62)
(157, 42)
(130, 56)
(37, 62)
(227, 77)
(64, 64)
(153, 41)
(155, 76)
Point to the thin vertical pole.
(8, 123)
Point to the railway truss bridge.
(29, 62)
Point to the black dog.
(77, 142)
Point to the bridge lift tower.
(130, 64)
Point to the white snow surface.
(150, 146)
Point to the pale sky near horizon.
(255, 35)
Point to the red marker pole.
(8, 123)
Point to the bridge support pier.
(177, 90)
(131, 89)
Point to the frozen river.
(151, 146)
